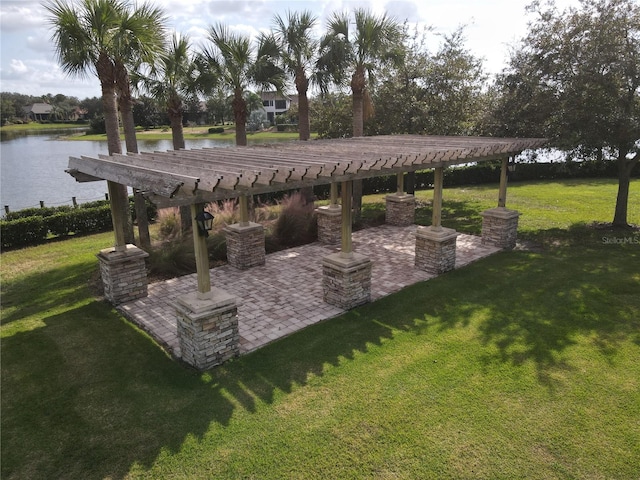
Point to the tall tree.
(356, 51)
(237, 64)
(141, 41)
(578, 74)
(298, 54)
(172, 81)
(86, 39)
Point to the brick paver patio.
(285, 294)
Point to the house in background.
(38, 112)
(276, 104)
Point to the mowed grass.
(199, 133)
(523, 365)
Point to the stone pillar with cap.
(207, 318)
(346, 275)
(400, 206)
(330, 219)
(245, 240)
(500, 224)
(436, 245)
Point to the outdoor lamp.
(511, 166)
(205, 222)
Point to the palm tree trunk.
(114, 146)
(240, 116)
(625, 166)
(125, 101)
(177, 131)
(177, 136)
(357, 90)
(302, 85)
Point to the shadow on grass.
(89, 396)
(47, 290)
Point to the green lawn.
(523, 365)
(198, 133)
(35, 126)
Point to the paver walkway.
(285, 294)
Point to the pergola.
(197, 176)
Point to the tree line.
(574, 78)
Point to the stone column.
(400, 209)
(435, 249)
(346, 280)
(124, 273)
(208, 328)
(245, 245)
(500, 227)
(329, 224)
(436, 245)
(346, 276)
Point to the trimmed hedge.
(35, 225)
(216, 130)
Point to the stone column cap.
(500, 212)
(405, 197)
(114, 255)
(238, 227)
(200, 307)
(346, 262)
(329, 210)
(437, 234)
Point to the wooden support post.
(502, 196)
(400, 183)
(334, 195)
(202, 256)
(436, 220)
(119, 223)
(244, 211)
(347, 189)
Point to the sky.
(28, 62)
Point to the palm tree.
(85, 40)
(141, 41)
(357, 52)
(238, 65)
(172, 81)
(298, 53)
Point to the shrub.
(296, 224)
(216, 130)
(172, 259)
(224, 212)
(23, 231)
(169, 220)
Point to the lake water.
(32, 168)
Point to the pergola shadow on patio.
(206, 318)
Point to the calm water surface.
(32, 168)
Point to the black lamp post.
(205, 223)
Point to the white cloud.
(20, 14)
(17, 67)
